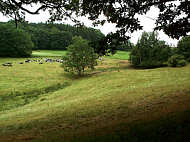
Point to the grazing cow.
(7, 64)
(28, 61)
(49, 60)
(59, 60)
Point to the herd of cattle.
(40, 61)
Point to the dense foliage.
(184, 47)
(58, 36)
(149, 52)
(126, 46)
(177, 61)
(14, 42)
(79, 57)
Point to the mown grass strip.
(48, 53)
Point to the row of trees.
(20, 41)
(150, 52)
(58, 36)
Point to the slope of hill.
(113, 103)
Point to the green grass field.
(50, 53)
(122, 55)
(42, 103)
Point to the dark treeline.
(14, 42)
(56, 36)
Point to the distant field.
(122, 55)
(52, 53)
(115, 103)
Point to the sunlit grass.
(122, 55)
(52, 53)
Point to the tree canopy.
(174, 16)
(150, 52)
(55, 36)
(14, 42)
(79, 57)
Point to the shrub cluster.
(181, 54)
(177, 61)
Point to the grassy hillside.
(41, 103)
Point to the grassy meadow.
(115, 102)
(50, 53)
(122, 55)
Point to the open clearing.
(40, 103)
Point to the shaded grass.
(172, 128)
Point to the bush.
(149, 52)
(14, 42)
(79, 57)
(182, 63)
(177, 61)
(184, 47)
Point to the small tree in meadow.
(79, 57)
